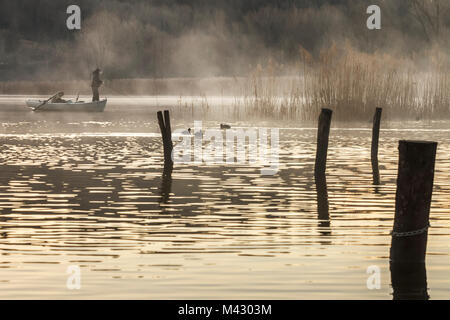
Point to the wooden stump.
(374, 149)
(413, 201)
(166, 133)
(323, 133)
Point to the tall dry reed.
(353, 84)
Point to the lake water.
(87, 190)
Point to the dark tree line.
(169, 38)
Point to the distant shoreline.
(169, 86)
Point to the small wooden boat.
(68, 106)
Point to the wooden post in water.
(323, 133)
(374, 150)
(412, 211)
(166, 132)
(409, 281)
(413, 200)
(166, 183)
(322, 198)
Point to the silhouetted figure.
(58, 98)
(96, 83)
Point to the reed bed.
(348, 81)
(351, 83)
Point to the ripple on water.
(100, 201)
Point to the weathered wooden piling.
(166, 183)
(322, 198)
(374, 149)
(323, 208)
(166, 132)
(413, 201)
(411, 222)
(409, 281)
(323, 133)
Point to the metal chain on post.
(410, 233)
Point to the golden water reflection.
(105, 203)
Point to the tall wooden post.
(374, 150)
(323, 133)
(412, 211)
(166, 132)
(413, 200)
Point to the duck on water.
(189, 131)
(57, 103)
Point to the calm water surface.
(88, 190)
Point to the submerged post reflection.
(166, 183)
(322, 204)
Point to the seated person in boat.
(96, 83)
(58, 98)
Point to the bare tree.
(430, 14)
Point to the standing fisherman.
(96, 83)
